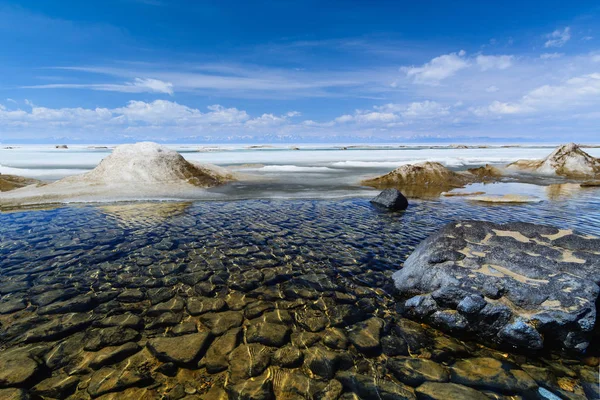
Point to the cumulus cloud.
(494, 62)
(437, 69)
(558, 38)
(580, 91)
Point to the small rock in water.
(392, 199)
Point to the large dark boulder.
(391, 199)
(522, 285)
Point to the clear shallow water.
(292, 293)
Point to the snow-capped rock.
(568, 160)
(420, 180)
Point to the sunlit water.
(283, 287)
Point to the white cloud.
(437, 69)
(423, 109)
(492, 89)
(292, 114)
(138, 85)
(494, 62)
(344, 118)
(580, 91)
(551, 56)
(558, 38)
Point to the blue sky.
(124, 70)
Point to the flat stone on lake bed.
(181, 350)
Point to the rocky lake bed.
(250, 300)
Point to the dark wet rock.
(415, 371)
(13, 287)
(60, 327)
(219, 323)
(366, 335)
(11, 306)
(127, 320)
(449, 321)
(312, 320)
(335, 338)
(160, 295)
(247, 361)
(393, 345)
(185, 328)
(50, 296)
(491, 374)
(181, 350)
(413, 333)
(420, 306)
(293, 385)
(14, 394)
(446, 349)
(215, 393)
(447, 391)
(112, 355)
(66, 351)
(99, 338)
(342, 315)
(535, 268)
(470, 305)
(246, 281)
(259, 388)
(217, 356)
(324, 362)
(256, 309)
(522, 335)
(319, 282)
(391, 199)
(175, 305)
(331, 391)
(304, 339)
(16, 368)
(131, 296)
(283, 317)
(107, 380)
(163, 320)
(57, 387)
(367, 387)
(275, 335)
(77, 304)
(288, 357)
(201, 305)
(168, 369)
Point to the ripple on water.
(248, 298)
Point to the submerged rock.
(568, 160)
(392, 199)
(421, 180)
(182, 350)
(518, 284)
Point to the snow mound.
(567, 160)
(132, 172)
(149, 163)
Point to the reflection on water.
(144, 214)
(248, 299)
